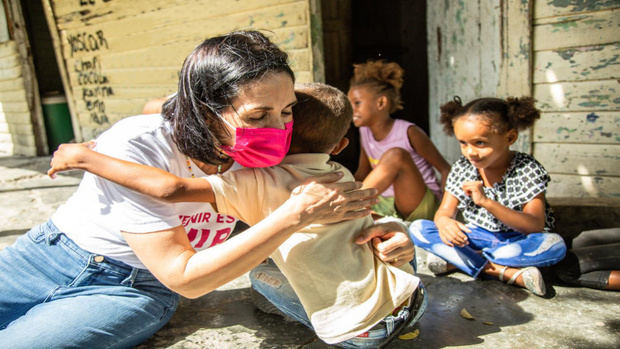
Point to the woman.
(112, 261)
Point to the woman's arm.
(451, 231)
(363, 167)
(144, 179)
(170, 257)
(423, 146)
(530, 220)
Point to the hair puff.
(382, 76)
(449, 112)
(521, 112)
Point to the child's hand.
(475, 191)
(452, 232)
(67, 157)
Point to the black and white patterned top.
(524, 179)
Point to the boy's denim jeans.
(269, 281)
(53, 294)
(509, 248)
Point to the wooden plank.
(574, 187)
(21, 130)
(580, 30)
(579, 159)
(69, 12)
(315, 26)
(581, 63)
(132, 77)
(24, 150)
(15, 117)
(545, 8)
(10, 85)
(14, 107)
(153, 56)
(171, 56)
(515, 76)
(139, 32)
(578, 96)
(301, 60)
(578, 127)
(124, 106)
(71, 15)
(11, 73)
(11, 61)
(148, 92)
(8, 48)
(13, 96)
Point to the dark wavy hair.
(211, 77)
(503, 115)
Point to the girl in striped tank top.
(397, 157)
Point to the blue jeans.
(269, 281)
(53, 294)
(509, 248)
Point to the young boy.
(344, 288)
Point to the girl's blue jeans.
(508, 248)
(53, 294)
(269, 281)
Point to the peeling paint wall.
(464, 57)
(16, 130)
(575, 80)
(120, 54)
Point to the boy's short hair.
(322, 116)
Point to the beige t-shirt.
(343, 287)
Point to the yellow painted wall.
(16, 131)
(576, 67)
(120, 54)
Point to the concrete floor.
(504, 316)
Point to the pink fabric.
(397, 138)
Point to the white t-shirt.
(99, 210)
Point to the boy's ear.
(512, 136)
(340, 146)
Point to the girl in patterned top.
(501, 194)
(397, 157)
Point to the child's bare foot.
(529, 278)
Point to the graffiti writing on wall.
(87, 42)
(90, 2)
(94, 86)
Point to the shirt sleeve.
(135, 212)
(239, 193)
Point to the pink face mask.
(260, 147)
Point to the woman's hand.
(68, 156)
(320, 200)
(390, 242)
(452, 232)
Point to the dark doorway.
(395, 30)
(43, 56)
